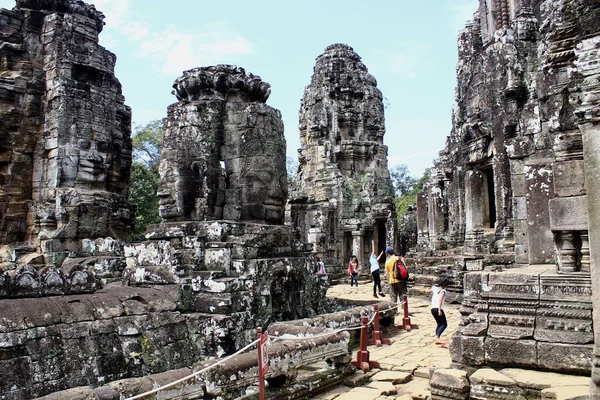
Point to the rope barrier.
(185, 378)
(274, 339)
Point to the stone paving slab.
(543, 380)
(385, 388)
(409, 351)
(395, 377)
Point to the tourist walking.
(438, 296)
(321, 264)
(397, 286)
(375, 270)
(353, 270)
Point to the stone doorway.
(488, 198)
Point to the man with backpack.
(394, 269)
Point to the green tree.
(291, 165)
(144, 176)
(406, 188)
(402, 181)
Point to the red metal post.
(362, 356)
(406, 320)
(261, 370)
(377, 337)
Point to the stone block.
(383, 387)
(538, 380)
(474, 265)
(468, 349)
(567, 393)
(395, 377)
(78, 393)
(517, 167)
(568, 213)
(566, 358)
(512, 285)
(521, 253)
(520, 207)
(540, 189)
(487, 383)
(449, 384)
(569, 178)
(507, 352)
(518, 185)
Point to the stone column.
(585, 251)
(422, 221)
(357, 246)
(437, 216)
(591, 155)
(588, 111)
(473, 213)
(567, 253)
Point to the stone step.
(425, 280)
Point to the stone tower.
(65, 146)
(223, 152)
(223, 189)
(343, 196)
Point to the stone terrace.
(407, 363)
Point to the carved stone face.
(93, 162)
(264, 189)
(169, 203)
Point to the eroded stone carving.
(343, 196)
(513, 181)
(65, 147)
(223, 151)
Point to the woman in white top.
(374, 261)
(437, 308)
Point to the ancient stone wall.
(65, 147)
(343, 196)
(514, 160)
(513, 179)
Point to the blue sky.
(409, 46)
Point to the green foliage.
(144, 177)
(406, 188)
(402, 181)
(291, 165)
(146, 144)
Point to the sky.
(408, 45)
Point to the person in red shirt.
(353, 270)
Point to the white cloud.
(172, 50)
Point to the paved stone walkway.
(405, 363)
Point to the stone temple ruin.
(511, 213)
(512, 206)
(220, 264)
(65, 147)
(343, 196)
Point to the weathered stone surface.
(343, 197)
(396, 377)
(80, 393)
(538, 380)
(566, 393)
(223, 153)
(449, 384)
(54, 343)
(64, 169)
(568, 213)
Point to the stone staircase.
(426, 270)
